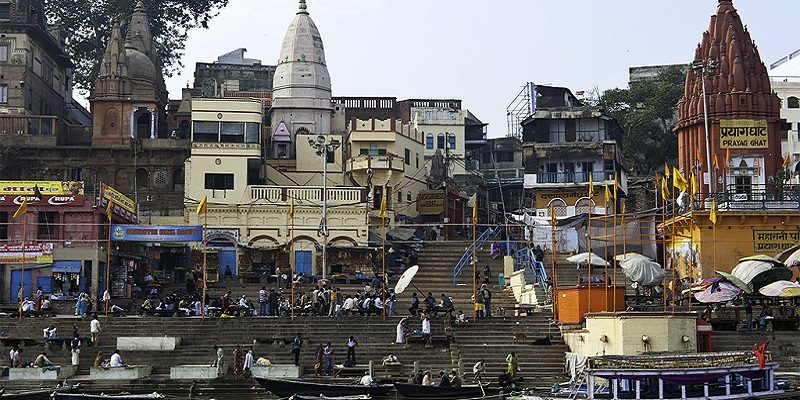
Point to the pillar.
(727, 385)
(705, 389)
(660, 389)
(750, 387)
(638, 389)
(683, 392)
(590, 387)
(152, 124)
(614, 389)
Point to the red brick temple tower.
(743, 112)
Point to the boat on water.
(414, 391)
(123, 396)
(286, 388)
(37, 394)
(303, 397)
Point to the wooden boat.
(415, 391)
(304, 397)
(87, 396)
(38, 394)
(286, 388)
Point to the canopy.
(405, 279)
(720, 292)
(781, 289)
(587, 258)
(761, 257)
(626, 256)
(784, 255)
(747, 270)
(642, 271)
(736, 281)
(770, 276)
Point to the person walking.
(262, 301)
(487, 301)
(477, 298)
(75, 349)
(297, 345)
(513, 364)
(748, 312)
(95, 329)
(238, 361)
(487, 275)
(351, 351)
(478, 370)
(219, 361)
(391, 301)
(426, 329)
(414, 309)
(401, 331)
(328, 359)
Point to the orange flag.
(787, 160)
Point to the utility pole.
(446, 191)
(706, 68)
(322, 148)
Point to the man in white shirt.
(366, 380)
(426, 329)
(95, 329)
(348, 305)
(116, 360)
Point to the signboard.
(35, 253)
(123, 205)
(774, 241)
(430, 202)
(743, 134)
(570, 196)
(139, 233)
(52, 193)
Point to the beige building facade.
(443, 132)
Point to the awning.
(67, 267)
(401, 233)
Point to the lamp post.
(706, 68)
(323, 147)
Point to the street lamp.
(323, 147)
(706, 68)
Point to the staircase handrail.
(479, 241)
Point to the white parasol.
(405, 279)
(642, 271)
(587, 258)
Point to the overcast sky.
(483, 51)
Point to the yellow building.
(387, 157)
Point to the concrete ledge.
(121, 373)
(38, 374)
(277, 371)
(193, 372)
(148, 343)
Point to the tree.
(88, 26)
(646, 111)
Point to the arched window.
(440, 141)
(793, 102)
(177, 178)
(584, 206)
(559, 207)
(451, 140)
(429, 141)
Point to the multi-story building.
(233, 75)
(501, 166)
(785, 79)
(566, 145)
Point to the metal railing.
(465, 259)
(751, 199)
(572, 177)
(525, 259)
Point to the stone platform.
(277, 371)
(127, 343)
(201, 372)
(39, 374)
(121, 373)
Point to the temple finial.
(303, 7)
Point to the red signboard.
(56, 200)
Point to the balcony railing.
(385, 162)
(504, 175)
(31, 125)
(751, 199)
(573, 177)
(307, 195)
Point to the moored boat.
(286, 388)
(37, 394)
(308, 397)
(415, 391)
(87, 396)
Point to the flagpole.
(605, 240)
(624, 248)
(589, 256)
(474, 257)
(554, 285)
(664, 240)
(672, 244)
(292, 261)
(22, 268)
(205, 266)
(383, 259)
(108, 265)
(614, 252)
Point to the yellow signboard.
(770, 241)
(54, 188)
(743, 134)
(430, 202)
(570, 196)
(119, 199)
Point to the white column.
(638, 389)
(727, 385)
(660, 389)
(750, 387)
(152, 124)
(705, 389)
(615, 382)
(770, 376)
(683, 392)
(590, 387)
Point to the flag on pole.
(695, 188)
(37, 192)
(108, 210)
(553, 218)
(383, 205)
(712, 216)
(727, 157)
(715, 162)
(664, 189)
(787, 160)
(591, 187)
(202, 207)
(608, 194)
(22, 210)
(678, 180)
(699, 155)
(475, 211)
(616, 185)
(291, 209)
(666, 170)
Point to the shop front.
(31, 272)
(155, 256)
